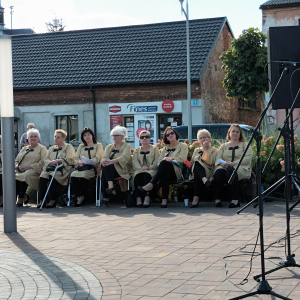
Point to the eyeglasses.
(145, 137)
(115, 135)
(171, 133)
(234, 131)
(203, 137)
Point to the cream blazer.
(96, 156)
(67, 153)
(34, 159)
(124, 165)
(244, 171)
(206, 159)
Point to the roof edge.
(279, 6)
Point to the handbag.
(63, 200)
(52, 168)
(129, 199)
(248, 187)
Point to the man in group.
(24, 140)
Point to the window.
(70, 125)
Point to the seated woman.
(144, 164)
(116, 161)
(61, 153)
(90, 149)
(170, 160)
(203, 160)
(29, 164)
(1, 189)
(231, 153)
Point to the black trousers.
(222, 176)
(109, 173)
(199, 173)
(165, 174)
(79, 186)
(141, 179)
(1, 184)
(21, 187)
(43, 185)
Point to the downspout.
(94, 110)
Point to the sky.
(87, 14)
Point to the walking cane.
(49, 186)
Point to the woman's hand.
(227, 165)
(80, 163)
(108, 162)
(23, 169)
(169, 159)
(55, 162)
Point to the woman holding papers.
(60, 154)
(87, 160)
(116, 161)
(28, 165)
(203, 160)
(228, 157)
(144, 164)
(171, 159)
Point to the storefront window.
(168, 120)
(70, 125)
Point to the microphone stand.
(264, 287)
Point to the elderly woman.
(1, 189)
(171, 159)
(116, 161)
(29, 164)
(203, 160)
(144, 165)
(230, 154)
(92, 150)
(60, 153)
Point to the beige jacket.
(67, 153)
(34, 159)
(96, 156)
(244, 171)
(206, 160)
(180, 155)
(124, 166)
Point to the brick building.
(122, 75)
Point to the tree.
(244, 64)
(55, 26)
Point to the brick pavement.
(130, 253)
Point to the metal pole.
(7, 121)
(8, 171)
(189, 95)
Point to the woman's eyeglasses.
(171, 133)
(115, 135)
(203, 137)
(145, 137)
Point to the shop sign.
(168, 106)
(115, 109)
(116, 120)
(142, 108)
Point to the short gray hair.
(119, 130)
(33, 130)
(30, 125)
(203, 131)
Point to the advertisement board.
(145, 122)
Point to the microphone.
(287, 63)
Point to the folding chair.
(41, 208)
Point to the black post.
(94, 111)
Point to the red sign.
(116, 120)
(139, 131)
(168, 106)
(115, 109)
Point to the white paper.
(221, 161)
(87, 161)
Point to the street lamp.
(7, 130)
(189, 96)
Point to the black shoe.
(78, 205)
(219, 204)
(208, 183)
(110, 191)
(19, 204)
(1, 205)
(164, 205)
(194, 205)
(26, 202)
(146, 205)
(104, 202)
(146, 193)
(232, 205)
(51, 206)
(139, 205)
(38, 206)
